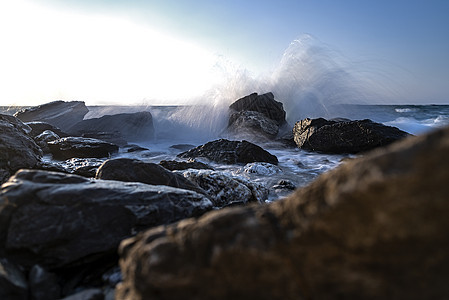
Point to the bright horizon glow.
(48, 55)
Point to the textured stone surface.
(344, 136)
(230, 152)
(133, 170)
(376, 227)
(58, 113)
(55, 219)
(17, 149)
(131, 126)
(70, 147)
(13, 284)
(252, 125)
(264, 104)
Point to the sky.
(156, 52)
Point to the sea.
(180, 127)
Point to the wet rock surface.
(133, 170)
(230, 152)
(39, 127)
(252, 125)
(342, 136)
(79, 147)
(264, 104)
(130, 126)
(56, 220)
(57, 113)
(225, 189)
(373, 228)
(183, 165)
(17, 149)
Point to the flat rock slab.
(55, 219)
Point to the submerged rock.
(71, 147)
(336, 136)
(230, 152)
(58, 220)
(133, 170)
(17, 149)
(225, 189)
(260, 168)
(131, 126)
(373, 228)
(58, 113)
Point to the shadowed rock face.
(70, 147)
(131, 126)
(374, 228)
(58, 113)
(17, 149)
(133, 170)
(264, 104)
(344, 136)
(55, 219)
(230, 152)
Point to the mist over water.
(311, 80)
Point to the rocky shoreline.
(63, 221)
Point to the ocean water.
(178, 125)
(196, 125)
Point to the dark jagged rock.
(58, 113)
(58, 220)
(79, 147)
(17, 149)
(182, 147)
(225, 189)
(344, 136)
(230, 152)
(44, 138)
(13, 284)
(252, 125)
(133, 170)
(43, 285)
(173, 165)
(374, 228)
(131, 126)
(264, 104)
(39, 127)
(115, 137)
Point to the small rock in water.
(260, 168)
(284, 184)
(135, 148)
(230, 152)
(71, 147)
(182, 147)
(38, 127)
(225, 189)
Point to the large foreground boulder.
(131, 126)
(17, 149)
(55, 219)
(58, 113)
(70, 147)
(330, 136)
(230, 152)
(374, 228)
(134, 170)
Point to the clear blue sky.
(407, 42)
